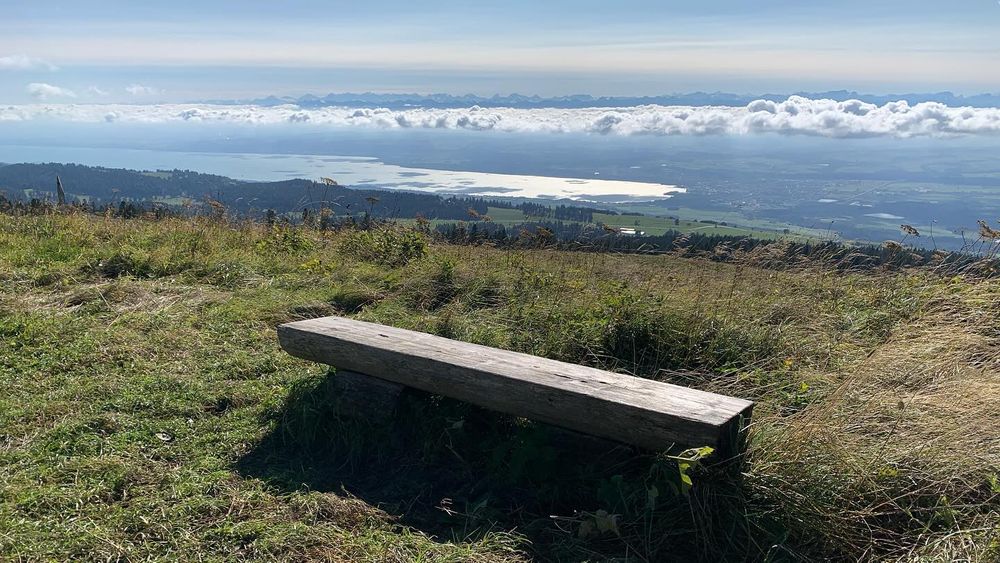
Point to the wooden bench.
(623, 408)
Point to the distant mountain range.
(400, 101)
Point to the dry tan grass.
(119, 296)
(909, 440)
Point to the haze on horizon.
(120, 51)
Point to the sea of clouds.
(794, 116)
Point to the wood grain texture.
(628, 409)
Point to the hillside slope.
(175, 187)
(149, 413)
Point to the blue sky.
(117, 51)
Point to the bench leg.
(585, 444)
(364, 396)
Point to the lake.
(356, 171)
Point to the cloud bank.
(43, 91)
(141, 90)
(794, 116)
(24, 62)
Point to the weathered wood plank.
(628, 409)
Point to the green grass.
(177, 200)
(655, 225)
(148, 412)
(506, 216)
(760, 226)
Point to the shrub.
(284, 240)
(385, 245)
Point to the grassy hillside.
(654, 225)
(659, 225)
(149, 413)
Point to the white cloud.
(140, 90)
(97, 91)
(794, 116)
(24, 62)
(43, 91)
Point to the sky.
(117, 51)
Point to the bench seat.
(632, 410)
